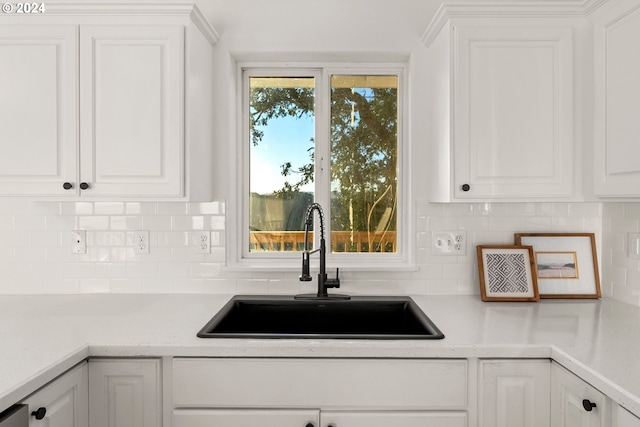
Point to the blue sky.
(285, 139)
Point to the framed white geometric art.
(507, 273)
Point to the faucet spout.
(323, 281)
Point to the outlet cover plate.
(79, 242)
(141, 242)
(202, 241)
(449, 242)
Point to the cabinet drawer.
(394, 418)
(320, 383)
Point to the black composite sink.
(286, 317)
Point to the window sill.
(290, 265)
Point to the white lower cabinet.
(625, 418)
(575, 403)
(395, 418)
(63, 402)
(514, 393)
(320, 392)
(244, 418)
(314, 418)
(125, 393)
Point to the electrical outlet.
(449, 242)
(202, 241)
(79, 242)
(141, 242)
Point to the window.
(332, 136)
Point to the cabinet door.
(38, 109)
(514, 393)
(386, 419)
(246, 418)
(125, 393)
(625, 418)
(65, 401)
(513, 113)
(617, 99)
(132, 110)
(571, 398)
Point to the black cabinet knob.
(588, 405)
(67, 186)
(465, 187)
(309, 425)
(39, 413)
(84, 185)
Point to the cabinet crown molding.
(136, 9)
(506, 9)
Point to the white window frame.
(238, 255)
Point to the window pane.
(281, 161)
(364, 169)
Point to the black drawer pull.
(39, 413)
(588, 405)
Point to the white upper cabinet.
(501, 106)
(131, 98)
(617, 99)
(513, 113)
(107, 102)
(38, 109)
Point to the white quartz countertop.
(42, 336)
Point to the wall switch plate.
(202, 241)
(79, 242)
(449, 242)
(633, 245)
(141, 242)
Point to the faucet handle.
(333, 283)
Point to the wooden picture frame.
(507, 273)
(566, 264)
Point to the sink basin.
(286, 317)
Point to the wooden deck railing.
(341, 241)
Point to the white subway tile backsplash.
(76, 208)
(137, 208)
(212, 208)
(109, 208)
(217, 223)
(35, 248)
(64, 223)
(196, 222)
(156, 222)
(620, 278)
(93, 222)
(166, 208)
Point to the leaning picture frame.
(507, 273)
(566, 264)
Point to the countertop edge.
(43, 377)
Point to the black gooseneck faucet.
(324, 282)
